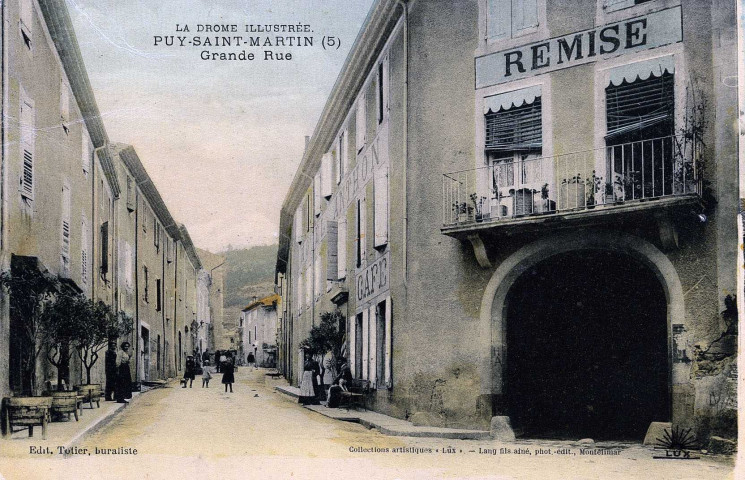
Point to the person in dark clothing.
(339, 384)
(250, 359)
(218, 367)
(110, 362)
(190, 371)
(123, 390)
(227, 374)
(206, 358)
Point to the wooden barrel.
(28, 410)
(64, 402)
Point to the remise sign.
(640, 33)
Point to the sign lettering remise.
(641, 33)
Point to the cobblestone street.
(258, 433)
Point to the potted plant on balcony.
(478, 204)
(572, 193)
(463, 211)
(594, 186)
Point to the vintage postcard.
(395, 239)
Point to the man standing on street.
(110, 371)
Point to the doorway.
(587, 348)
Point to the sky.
(220, 139)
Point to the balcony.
(572, 189)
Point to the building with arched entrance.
(526, 211)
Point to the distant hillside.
(249, 272)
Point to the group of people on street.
(311, 391)
(224, 364)
(118, 377)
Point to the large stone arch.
(492, 313)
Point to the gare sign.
(373, 280)
(640, 33)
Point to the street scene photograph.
(390, 239)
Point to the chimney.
(255, 297)
(307, 141)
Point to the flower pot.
(91, 393)
(28, 412)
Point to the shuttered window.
(65, 234)
(84, 252)
(361, 122)
(28, 145)
(361, 227)
(298, 224)
(341, 252)
(518, 128)
(327, 166)
(104, 248)
(332, 241)
(381, 206)
(510, 18)
(639, 105)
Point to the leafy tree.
(63, 319)
(326, 337)
(30, 293)
(101, 325)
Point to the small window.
(158, 295)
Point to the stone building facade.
(80, 207)
(527, 209)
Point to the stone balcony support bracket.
(479, 250)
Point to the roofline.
(261, 301)
(374, 33)
(133, 163)
(191, 252)
(59, 24)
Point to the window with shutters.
(341, 249)
(641, 155)
(360, 126)
(28, 145)
(104, 249)
(380, 187)
(332, 241)
(514, 138)
(317, 194)
(145, 284)
(130, 194)
(308, 212)
(128, 262)
(511, 18)
(381, 90)
(298, 224)
(319, 283)
(65, 233)
(64, 105)
(361, 226)
(158, 295)
(84, 254)
(156, 234)
(615, 5)
(86, 152)
(341, 156)
(327, 167)
(26, 22)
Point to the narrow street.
(258, 433)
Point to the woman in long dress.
(227, 374)
(123, 387)
(308, 388)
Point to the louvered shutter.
(341, 244)
(360, 122)
(518, 128)
(327, 167)
(65, 244)
(28, 144)
(365, 343)
(524, 15)
(104, 247)
(84, 252)
(640, 104)
(344, 147)
(386, 85)
(298, 224)
(332, 240)
(380, 185)
(498, 18)
(388, 343)
(317, 194)
(86, 151)
(372, 336)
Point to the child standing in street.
(206, 376)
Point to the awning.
(641, 70)
(515, 98)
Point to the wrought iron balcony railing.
(528, 185)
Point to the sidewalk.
(385, 424)
(64, 433)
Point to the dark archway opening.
(586, 348)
